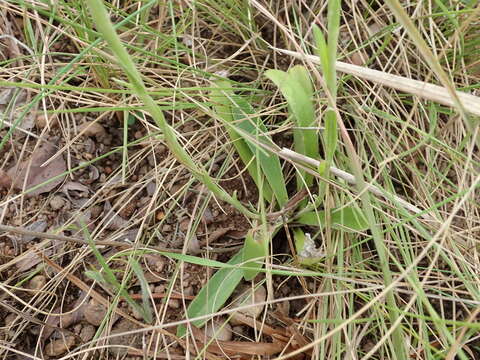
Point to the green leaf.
(348, 219)
(331, 135)
(269, 163)
(297, 89)
(215, 293)
(255, 249)
(299, 97)
(221, 96)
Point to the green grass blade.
(147, 309)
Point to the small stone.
(37, 282)
(184, 225)
(188, 291)
(160, 215)
(160, 149)
(167, 228)
(207, 217)
(136, 314)
(77, 328)
(284, 308)
(9, 319)
(57, 202)
(95, 211)
(41, 121)
(151, 160)
(358, 58)
(173, 303)
(91, 129)
(94, 313)
(238, 330)
(87, 333)
(60, 346)
(219, 330)
(5, 180)
(155, 262)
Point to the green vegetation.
(374, 206)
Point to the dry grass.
(138, 199)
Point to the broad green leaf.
(256, 249)
(215, 293)
(299, 97)
(297, 89)
(245, 120)
(221, 96)
(349, 219)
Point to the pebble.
(10, 318)
(57, 202)
(156, 262)
(239, 330)
(173, 303)
(159, 289)
(208, 217)
(92, 129)
(87, 333)
(167, 228)
(94, 313)
(188, 291)
(59, 346)
(184, 224)
(37, 282)
(41, 121)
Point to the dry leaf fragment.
(94, 313)
(30, 172)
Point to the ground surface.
(68, 118)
